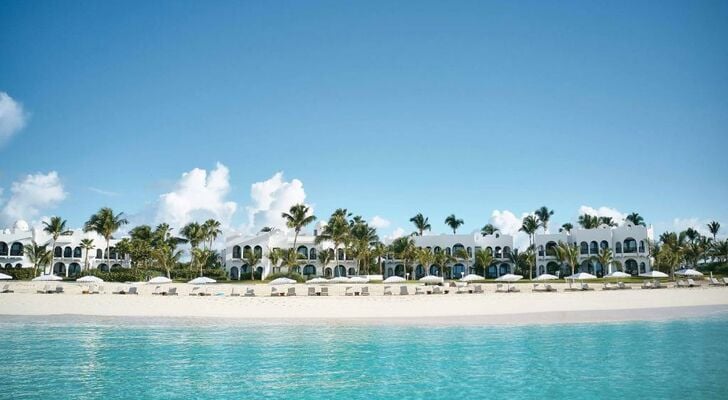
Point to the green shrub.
(217, 274)
(290, 275)
(245, 276)
(21, 274)
(122, 275)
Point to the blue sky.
(386, 108)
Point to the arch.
(16, 249)
(352, 271)
(312, 254)
(67, 252)
(551, 248)
(630, 267)
(309, 270)
(540, 269)
(458, 247)
(58, 252)
(642, 246)
(437, 250)
(584, 248)
(553, 268)
(585, 266)
(506, 251)
(458, 270)
(258, 252)
(340, 271)
(448, 251)
(303, 251)
(498, 253)
(247, 249)
(237, 253)
(116, 266)
(419, 272)
(434, 270)
(235, 272)
(112, 253)
(492, 271)
(340, 254)
(489, 250)
(59, 268)
(604, 244)
(598, 269)
(74, 269)
(643, 268)
(245, 268)
(593, 247)
(504, 268)
(103, 267)
(3, 249)
(540, 251)
(618, 248)
(259, 271)
(77, 252)
(327, 272)
(99, 254)
(8, 266)
(399, 270)
(630, 245)
(18, 265)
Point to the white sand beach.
(490, 307)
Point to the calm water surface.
(95, 359)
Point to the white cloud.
(508, 224)
(12, 117)
(197, 196)
(397, 233)
(603, 211)
(379, 222)
(271, 198)
(102, 191)
(30, 196)
(681, 224)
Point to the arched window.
(642, 246)
(340, 254)
(593, 247)
(76, 252)
(309, 270)
(457, 249)
(540, 270)
(490, 250)
(3, 249)
(390, 272)
(67, 252)
(16, 249)
(630, 245)
(74, 269)
(447, 251)
(59, 268)
(99, 253)
(503, 269)
(8, 265)
(434, 270)
(618, 247)
(506, 251)
(630, 267)
(116, 266)
(312, 254)
(258, 251)
(303, 251)
(234, 271)
(437, 250)
(643, 268)
(498, 253)
(604, 244)
(113, 255)
(584, 248)
(327, 272)
(551, 249)
(103, 267)
(58, 251)
(399, 270)
(246, 250)
(18, 265)
(245, 268)
(553, 268)
(419, 272)
(237, 253)
(540, 250)
(458, 270)
(340, 271)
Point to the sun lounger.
(249, 292)
(234, 293)
(195, 291)
(291, 291)
(499, 288)
(349, 291)
(622, 286)
(133, 290)
(714, 282)
(478, 289)
(172, 292)
(512, 289)
(324, 291)
(692, 283)
(59, 290)
(387, 290)
(274, 292)
(6, 289)
(85, 289)
(418, 290)
(646, 285)
(403, 291)
(725, 280)
(608, 286)
(311, 291)
(681, 283)
(585, 286)
(549, 288)
(658, 285)
(462, 289)
(365, 291)
(121, 290)
(436, 290)
(45, 289)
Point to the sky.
(186, 110)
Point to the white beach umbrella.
(618, 274)
(654, 274)
(339, 279)
(689, 272)
(472, 278)
(202, 280)
(545, 277)
(509, 278)
(48, 278)
(90, 278)
(159, 279)
(431, 279)
(358, 279)
(5, 277)
(394, 279)
(282, 281)
(581, 276)
(316, 281)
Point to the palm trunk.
(53, 258)
(108, 255)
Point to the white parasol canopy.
(689, 272)
(394, 279)
(315, 281)
(339, 279)
(282, 281)
(509, 278)
(48, 278)
(358, 279)
(581, 276)
(431, 279)
(654, 274)
(90, 278)
(5, 277)
(472, 278)
(545, 277)
(618, 274)
(159, 279)
(202, 280)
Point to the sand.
(489, 308)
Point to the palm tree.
(483, 259)
(444, 260)
(719, 250)
(297, 218)
(379, 250)
(567, 227)
(337, 231)
(422, 223)
(588, 221)
(568, 253)
(274, 258)
(105, 223)
(167, 257)
(608, 221)
(544, 215)
(195, 234)
(291, 259)
(461, 254)
(404, 249)
(605, 257)
(529, 226)
(714, 227)
(362, 237)
(424, 257)
(266, 229)
(454, 223)
(252, 259)
(55, 227)
(211, 229)
(488, 229)
(87, 244)
(324, 258)
(38, 255)
(635, 219)
(520, 260)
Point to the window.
(643, 268)
(312, 254)
(630, 245)
(99, 253)
(67, 252)
(584, 248)
(3, 249)
(236, 254)
(498, 253)
(57, 252)
(642, 246)
(618, 247)
(303, 251)
(540, 250)
(604, 244)
(16, 249)
(77, 252)
(593, 247)
(506, 252)
(551, 249)
(258, 251)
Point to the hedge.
(290, 275)
(23, 274)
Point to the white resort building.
(68, 256)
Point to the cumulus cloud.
(12, 117)
(270, 198)
(197, 196)
(397, 233)
(700, 225)
(509, 224)
(379, 222)
(31, 196)
(603, 211)
(102, 191)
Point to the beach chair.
(291, 291)
(585, 286)
(172, 292)
(59, 290)
(418, 290)
(249, 292)
(45, 289)
(478, 289)
(121, 290)
(274, 291)
(714, 282)
(159, 291)
(234, 292)
(6, 289)
(680, 283)
(658, 285)
(324, 291)
(499, 288)
(513, 289)
(387, 291)
(349, 291)
(365, 291)
(549, 288)
(195, 291)
(646, 285)
(691, 283)
(403, 291)
(462, 289)
(133, 290)
(436, 290)
(85, 289)
(311, 291)
(725, 280)
(622, 286)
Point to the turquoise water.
(95, 359)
